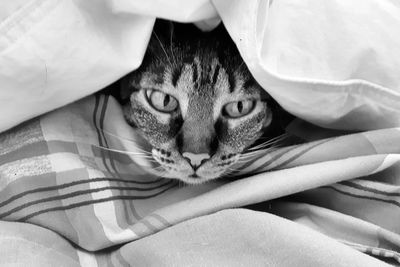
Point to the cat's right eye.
(238, 109)
(161, 101)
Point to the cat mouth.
(194, 175)
(199, 178)
(189, 169)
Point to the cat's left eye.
(239, 108)
(161, 101)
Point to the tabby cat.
(195, 102)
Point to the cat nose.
(196, 159)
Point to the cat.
(195, 102)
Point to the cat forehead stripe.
(218, 73)
(197, 71)
(195, 74)
(214, 75)
(231, 81)
(176, 74)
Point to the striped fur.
(203, 72)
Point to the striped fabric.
(65, 172)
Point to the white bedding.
(333, 63)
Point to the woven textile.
(65, 172)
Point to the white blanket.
(333, 63)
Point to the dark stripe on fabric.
(122, 213)
(161, 219)
(145, 177)
(82, 192)
(102, 115)
(368, 189)
(267, 163)
(134, 211)
(148, 225)
(57, 146)
(89, 202)
(119, 157)
(102, 137)
(362, 197)
(126, 213)
(121, 260)
(62, 186)
(99, 137)
(301, 153)
(105, 138)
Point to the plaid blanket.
(65, 172)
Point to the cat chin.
(204, 174)
(187, 179)
(195, 180)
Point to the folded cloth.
(227, 238)
(320, 60)
(67, 181)
(75, 171)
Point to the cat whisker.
(171, 46)
(269, 142)
(164, 175)
(260, 150)
(247, 158)
(278, 138)
(257, 152)
(155, 163)
(244, 159)
(149, 160)
(154, 170)
(123, 151)
(182, 184)
(158, 169)
(162, 47)
(230, 171)
(126, 139)
(234, 167)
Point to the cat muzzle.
(195, 160)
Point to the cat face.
(196, 104)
